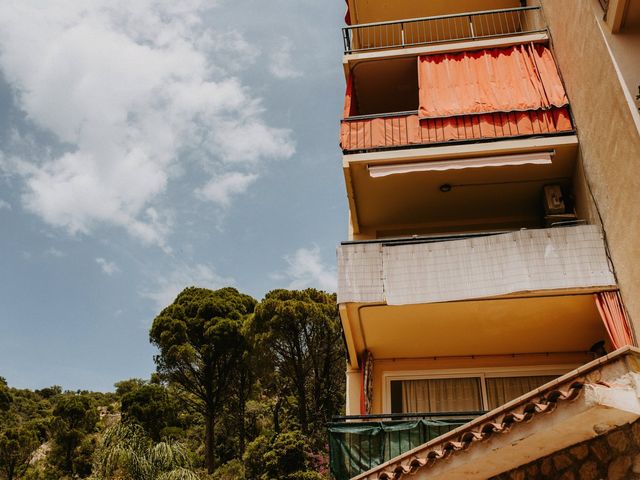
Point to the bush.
(233, 470)
(253, 457)
(282, 456)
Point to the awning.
(516, 78)
(541, 158)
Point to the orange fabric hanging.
(516, 78)
(409, 130)
(348, 109)
(614, 317)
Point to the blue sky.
(150, 145)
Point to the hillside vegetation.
(243, 390)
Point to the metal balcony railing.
(360, 442)
(443, 28)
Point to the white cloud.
(281, 64)
(109, 268)
(306, 269)
(231, 48)
(54, 252)
(126, 87)
(168, 287)
(4, 205)
(220, 189)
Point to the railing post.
(473, 35)
(347, 40)
(402, 33)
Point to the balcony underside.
(367, 11)
(535, 324)
(491, 197)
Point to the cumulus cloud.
(306, 269)
(167, 288)
(108, 268)
(220, 189)
(282, 65)
(127, 87)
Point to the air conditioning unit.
(553, 201)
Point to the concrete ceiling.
(368, 11)
(499, 196)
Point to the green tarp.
(356, 447)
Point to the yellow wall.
(609, 139)
(585, 206)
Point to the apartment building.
(488, 285)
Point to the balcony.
(461, 27)
(359, 443)
(489, 94)
(523, 292)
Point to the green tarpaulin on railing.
(356, 447)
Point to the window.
(501, 390)
(437, 395)
(460, 394)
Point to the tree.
(5, 399)
(150, 406)
(201, 349)
(73, 418)
(127, 386)
(125, 452)
(299, 332)
(49, 392)
(16, 448)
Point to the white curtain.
(442, 395)
(501, 390)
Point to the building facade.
(489, 151)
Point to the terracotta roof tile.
(463, 439)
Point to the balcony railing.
(359, 443)
(443, 28)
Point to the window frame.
(481, 373)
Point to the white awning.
(539, 158)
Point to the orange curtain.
(614, 317)
(409, 130)
(516, 78)
(348, 109)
